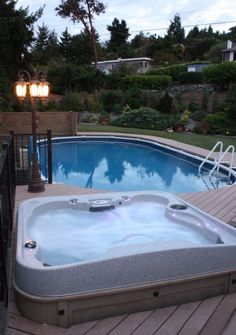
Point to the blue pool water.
(125, 165)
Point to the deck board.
(105, 326)
(230, 328)
(80, 329)
(132, 322)
(222, 315)
(175, 322)
(187, 318)
(155, 320)
(200, 317)
(212, 316)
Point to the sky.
(150, 16)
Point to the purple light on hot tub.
(152, 235)
(82, 252)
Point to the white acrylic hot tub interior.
(74, 235)
(100, 255)
(93, 242)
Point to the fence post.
(3, 271)
(8, 187)
(49, 151)
(13, 171)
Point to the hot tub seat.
(125, 278)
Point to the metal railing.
(7, 198)
(23, 154)
(14, 170)
(220, 158)
(218, 144)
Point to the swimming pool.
(127, 164)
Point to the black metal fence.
(15, 160)
(23, 144)
(7, 198)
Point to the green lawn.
(199, 140)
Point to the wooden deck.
(214, 316)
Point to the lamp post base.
(36, 184)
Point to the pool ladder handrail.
(218, 160)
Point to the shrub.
(218, 123)
(166, 103)
(147, 82)
(145, 118)
(198, 115)
(221, 75)
(110, 100)
(133, 98)
(71, 102)
(190, 77)
(173, 71)
(151, 99)
(71, 77)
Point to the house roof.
(231, 49)
(126, 60)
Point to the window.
(191, 69)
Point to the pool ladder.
(220, 159)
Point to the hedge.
(172, 71)
(191, 77)
(146, 82)
(221, 75)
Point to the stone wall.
(197, 98)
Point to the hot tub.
(85, 257)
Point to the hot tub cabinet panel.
(68, 310)
(134, 272)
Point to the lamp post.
(35, 88)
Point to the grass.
(199, 140)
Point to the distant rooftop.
(119, 60)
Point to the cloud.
(142, 16)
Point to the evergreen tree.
(81, 51)
(83, 11)
(119, 36)
(16, 35)
(65, 45)
(232, 33)
(45, 46)
(193, 33)
(175, 31)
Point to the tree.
(193, 33)
(175, 31)
(119, 36)
(83, 11)
(222, 75)
(65, 45)
(16, 35)
(232, 33)
(139, 41)
(45, 46)
(214, 55)
(81, 51)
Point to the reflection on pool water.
(126, 166)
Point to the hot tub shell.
(149, 277)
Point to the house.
(139, 64)
(197, 67)
(229, 54)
